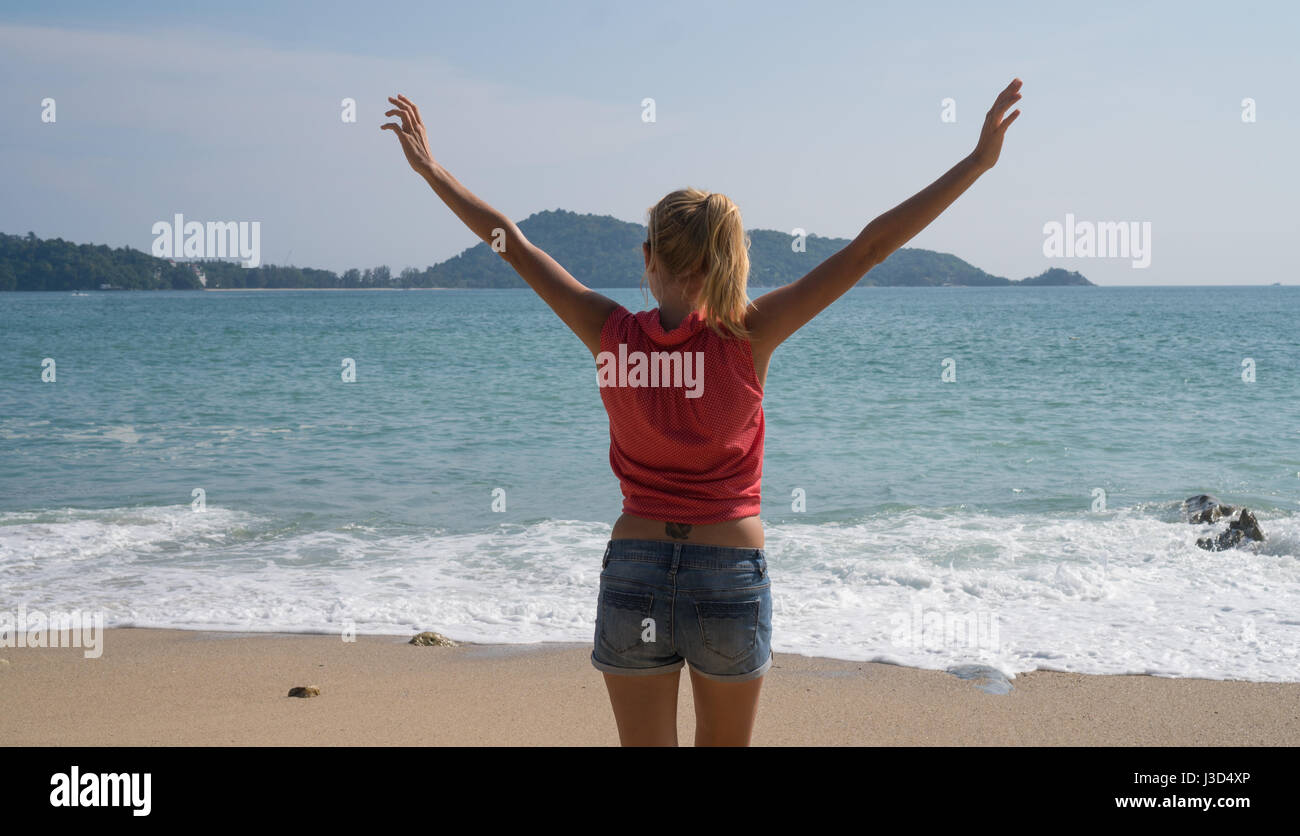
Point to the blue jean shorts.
(665, 604)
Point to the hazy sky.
(811, 115)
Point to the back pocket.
(621, 614)
(729, 628)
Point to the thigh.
(724, 711)
(645, 708)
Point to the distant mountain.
(600, 251)
(1056, 276)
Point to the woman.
(684, 577)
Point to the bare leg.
(645, 708)
(724, 711)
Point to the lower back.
(743, 533)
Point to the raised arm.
(582, 309)
(776, 315)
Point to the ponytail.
(692, 231)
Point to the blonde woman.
(684, 576)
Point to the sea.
(954, 478)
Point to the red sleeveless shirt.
(685, 418)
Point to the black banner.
(970, 784)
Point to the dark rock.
(1204, 508)
(305, 692)
(1248, 525)
(1225, 540)
(1242, 524)
(432, 640)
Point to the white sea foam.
(1124, 591)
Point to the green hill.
(30, 263)
(600, 251)
(1055, 276)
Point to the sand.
(192, 688)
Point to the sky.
(817, 116)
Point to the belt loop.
(762, 563)
(677, 557)
(604, 561)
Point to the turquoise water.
(330, 504)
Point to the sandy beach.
(191, 688)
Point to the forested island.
(600, 251)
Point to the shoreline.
(335, 289)
(155, 686)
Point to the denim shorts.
(665, 604)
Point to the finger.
(1012, 89)
(414, 122)
(408, 118)
(1006, 99)
(407, 121)
(1000, 106)
(414, 109)
(1008, 120)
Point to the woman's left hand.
(410, 132)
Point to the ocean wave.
(1123, 591)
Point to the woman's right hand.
(990, 142)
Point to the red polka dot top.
(685, 418)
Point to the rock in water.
(1242, 524)
(305, 691)
(432, 640)
(1248, 525)
(1204, 508)
(1226, 540)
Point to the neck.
(673, 311)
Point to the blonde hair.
(693, 231)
